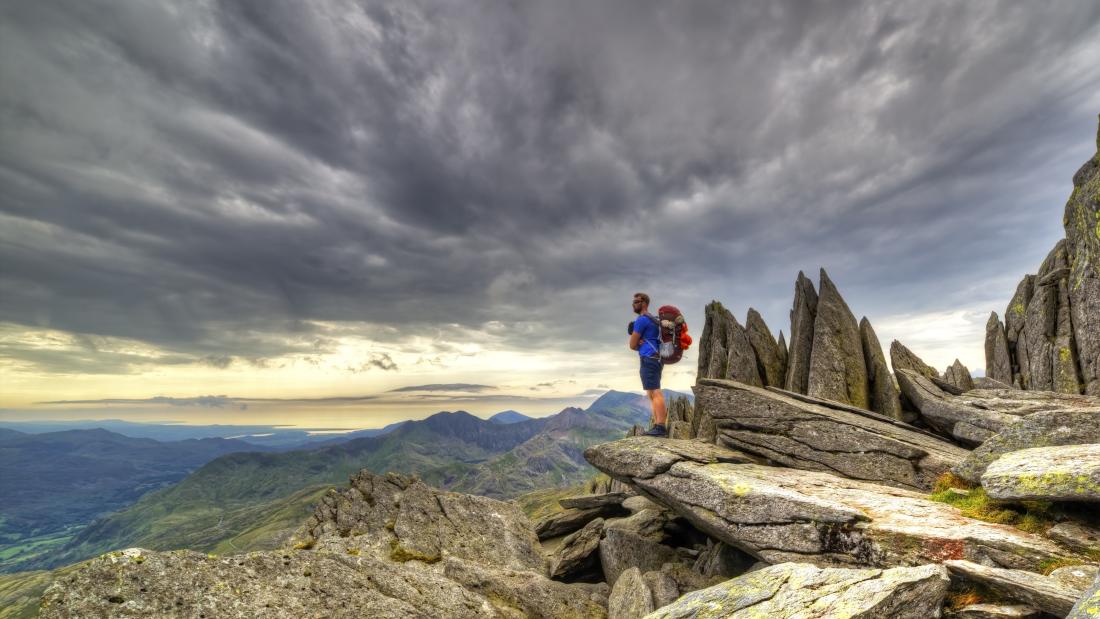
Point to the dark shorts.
(651, 373)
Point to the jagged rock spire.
(803, 315)
(837, 369)
(998, 364)
(771, 364)
(884, 394)
(1082, 223)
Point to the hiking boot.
(657, 430)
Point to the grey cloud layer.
(214, 177)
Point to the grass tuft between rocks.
(973, 502)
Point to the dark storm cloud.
(216, 178)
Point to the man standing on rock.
(645, 337)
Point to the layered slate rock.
(1065, 473)
(1015, 321)
(388, 546)
(803, 316)
(951, 415)
(1043, 592)
(998, 364)
(570, 520)
(1082, 224)
(771, 365)
(806, 433)
(901, 358)
(1048, 359)
(838, 371)
(802, 590)
(958, 376)
(995, 611)
(884, 394)
(780, 514)
(725, 351)
(1043, 429)
(1078, 536)
(576, 555)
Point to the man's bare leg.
(657, 401)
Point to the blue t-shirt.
(651, 336)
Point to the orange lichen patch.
(940, 550)
(961, 599)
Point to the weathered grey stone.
(1065, 370)
(1043, 429)
(1082, 224)
(804, 591)
(630, 597)
(662, 587)
(647, 523)
(770, 364)
(958, 375)
(985, 382)
(784, 357)
(1040, 325)
(884, 394)
(1063, 473)
(995, 611)
(1078, 577)
(817, 435)
(1015, 320)
(803, 316)
(951, 415)
(567, 521)
(636, 504)
(721, 559)
(620, 549)
(680, 409)
(781, 514)
(577, 552)
(998, 365)
(680, 429)
(1042, 592)
(901, 358)
(398, 517)
(593, 500)
(1078, 536)
(838, 371)
(516, 593)
(1088, 606)
(725, 351)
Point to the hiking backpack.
(674, 334)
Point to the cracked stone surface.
(838, 371)
(577, 552)
(1065, 473)
(803, 315)
(885, 397)
(805, 433)
(1043, 592)
(781, 514)
(793, 590)
(998, 364)
(771, 363)
(1046, 429)
(1082, 224)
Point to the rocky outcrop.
(1088, 607)
(1043, 429)
(782, 514)
(1082, 224)
(1080, 537)
(884, 395)
(998, 364)
(838, 371)
(818, 435)
(771, 365)
(1015, 319)
(901, 358)
(593, 500)
(958, 376)
(803, 316)
(725, 351)
(576, 556)
(388, 546)
(1042, 592)
(570, 520)
(1065, 473)
(1048, 354)
(802, 590)
(951, 415)
(630, 597)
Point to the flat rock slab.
(996, 611)
(807, 592)
(1065, 473)
(596, 500)
(1044, 429)
(1043, 592)
(1088, 607)
(1078, 536)
(570, 520)
(806, 433)
(577, 551)
(779, 514)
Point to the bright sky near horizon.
(342, 213)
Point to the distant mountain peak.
(509, 416)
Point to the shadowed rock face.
(803, 315)
(885, 398)
(771, 364)
(837, 369)
(998, 365)
(726, 351)
(1082, 223)
(802, 590)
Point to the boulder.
(1078, 536)
(770, 363)
(901, 358)
(803, 316)
(954, 416)
(1044, 429)
(806, 433)
(567, 521)
(576, 556)
(958, 375)
(885, 398)
(838, 371)
(801, 590)
(1082, 224)
(1063, 473)
(513, 593)
(636, 504)
(630, 597)
(1043, 592)
(621, 549)
(1088, 606)
(782, 514)
(998, 365)
(662, 588)
(1077, 577)
(593, 500)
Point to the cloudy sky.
(361, 211)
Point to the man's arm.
(635, 340)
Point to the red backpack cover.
(674, 333)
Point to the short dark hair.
(643, 296)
